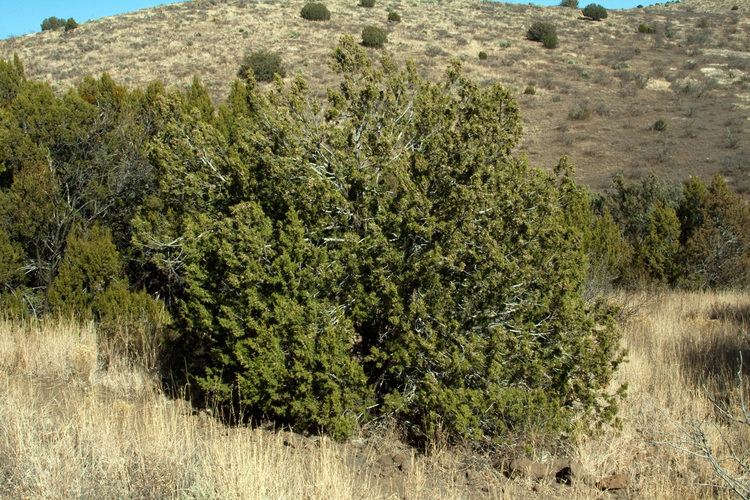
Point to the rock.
(614, 482)
(568, 472)
(403, 462)
(523, 467)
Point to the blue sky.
(24, 16)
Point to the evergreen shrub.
(545, 32)
(263, 65)
(315, 12)
(595, 12)
(374, 37)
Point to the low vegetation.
(262, 65)
(544, 32)
(374, 37)
(315, 12)
(54, 23)
(595, 12)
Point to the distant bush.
(263, 65)
(571, 4)
(70, 24)
(580, 111)
(394, 17)
(53, 23)
(595, 12)
(734, 7)
(659, 125)
(315, 12)
(482, 56)
(375, 37)
(367, 3)
(529, 90)
(545, 32)
(646, 28)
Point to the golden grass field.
(596, 96)
(71, 429)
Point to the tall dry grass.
(72, 429)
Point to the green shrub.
(646, 28)
(315, 12)
(130, 324)
(545, 32)
(647, 215)
(482, 55)
(394, 17)
(70, 24)
(375, 37)
(716, 235)
(53, 23)
(321, 294)
(571, 4)
(91, 263)
(659, 125)
(529, 90)
(367, 3)
(263, 65)
(580, 111)
(595, 12)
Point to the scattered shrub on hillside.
(595, 12)
(53, 23)
(70, 24)
(482, 55)
(394, 17)
(263, 65)
(367, 3)
(529, 90)
(646, 28)
(581, 110)
(375, 37)
(545, 32)
(735, 7)
(659, 125)
(571, 4)
(315, 12)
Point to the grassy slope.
(73, 429)
(698, 81)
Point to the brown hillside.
(596, 97)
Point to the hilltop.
(595, 98)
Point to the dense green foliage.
(53, 23)
(482, 55)
(262, 65)
(315, 12)
(545, 32)
(375, 37)
(571, 4)
(595, 12)
(380, 254)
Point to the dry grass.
(694, 71)
(71, 429)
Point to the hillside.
(596, 97)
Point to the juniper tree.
(382, 253)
